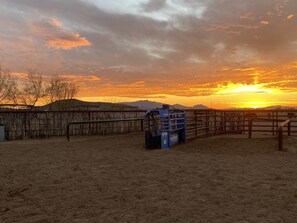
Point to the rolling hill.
(75, 104)
(147, 105)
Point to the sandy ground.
(114, 179)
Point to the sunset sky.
(220, 53)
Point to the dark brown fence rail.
(200, 123)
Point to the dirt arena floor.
(114, 179)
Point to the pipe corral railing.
(252, 120)
(285, 123)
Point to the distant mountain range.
(277, 107)
(147, 105)
(74, 104)
(78, 105)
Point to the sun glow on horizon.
(257, 104)
(232, 88)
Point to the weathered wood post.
(280, 133)
(142, 126)
(250, 127)
(90, 129)
(280, 138)
(67, 132)
(224, 122)
(289, 128)
(273, 131)
(207, 122)
(290, 116)
(25, 125)
(196, 124)
(277, 121)
(215, 122)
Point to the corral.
(45, 124)
(114, 179)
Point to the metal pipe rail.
(261, 119)
(280, 133)
(102, 121)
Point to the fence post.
(90, 131)
(250, 127)
(215, 122)
(280, 138)
(272, 115)
(196, 124)
(224, 122)
(289, 128)
(68, 132)
(243, 123)
(142, 128)
(207, 122)
(277, 121)
(25, 133)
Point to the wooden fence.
(200, 123)
(30, 125)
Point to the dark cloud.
(154, 5)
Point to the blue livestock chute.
(164, 128)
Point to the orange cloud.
(56, 23)
(247, 15)
(264, 22)
(19, 75)
(83, 78)
(233, 29)
(56, 36)
(67, 44)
